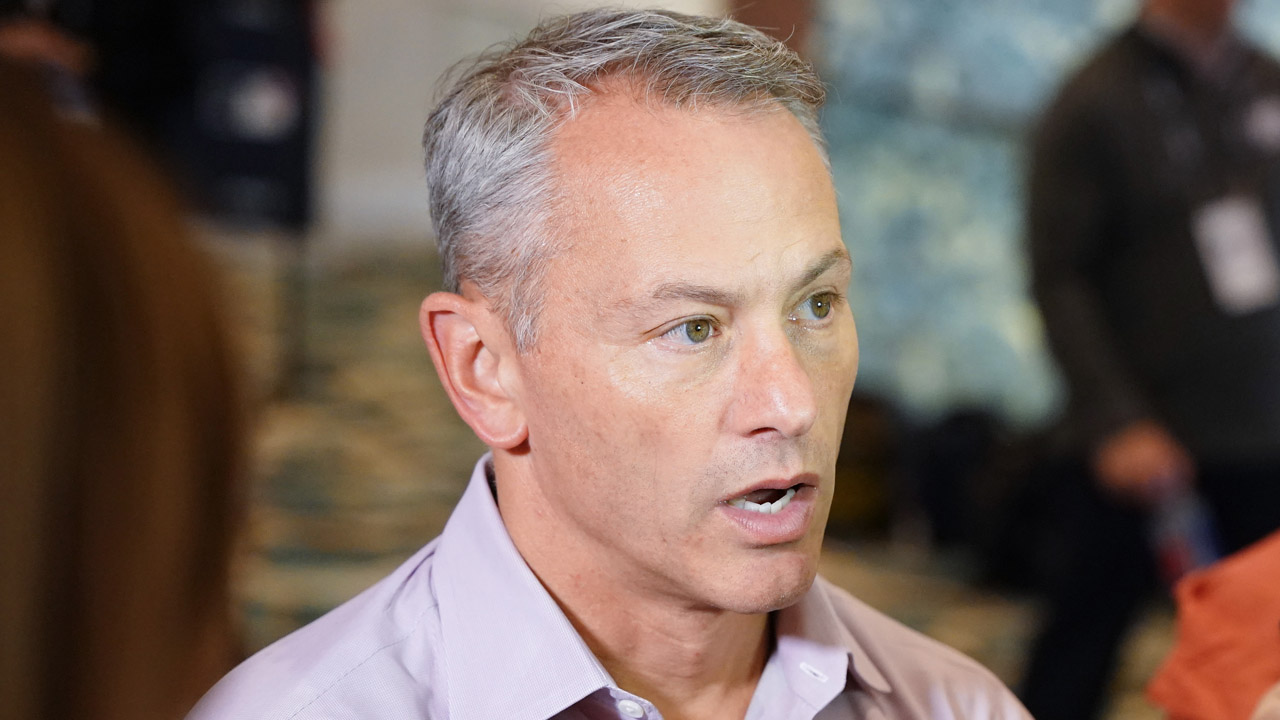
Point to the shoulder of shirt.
(1111, 71)
(374, 650)
(909, 659)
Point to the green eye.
(818, 307)
(821, 305)
(697, 330)
(692, 332)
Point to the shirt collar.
(498, 621)
(811, 637)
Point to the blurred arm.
(1071, 224)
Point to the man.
(1152, 200)
(646, 325)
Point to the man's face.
(1210, 16)
(694, 351)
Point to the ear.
(473, 351)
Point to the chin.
(772, 585)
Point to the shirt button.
(630, 708)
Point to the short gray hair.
(488, 141)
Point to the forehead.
(651, 191)
(626, 135)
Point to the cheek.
(665, 395)
(832, 368)
(612, 419)
(835, 373)
(666, 422)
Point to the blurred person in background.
(790, 21)
(221, 92)
(121, 431)
(1227, 654)
(135, 57)
(1152, 208)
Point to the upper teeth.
(768, 508)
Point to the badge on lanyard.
(1235, 248)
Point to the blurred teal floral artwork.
(930, 104)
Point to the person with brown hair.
(121, 430)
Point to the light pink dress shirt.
(464, 631)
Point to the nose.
(773, 392)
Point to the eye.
(818, 307)
(691, 332)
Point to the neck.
(690, 664)
(691, 661)
(1201, 39)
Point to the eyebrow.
(820, 266)
(723, 298)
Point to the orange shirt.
(1228, 650)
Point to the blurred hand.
(37, 41)
(1141, 461)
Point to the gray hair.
(488, 141)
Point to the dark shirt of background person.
(120, 430)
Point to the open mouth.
(765, 502)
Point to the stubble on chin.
(754, 596)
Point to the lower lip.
(789, 524)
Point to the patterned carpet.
(360, 458)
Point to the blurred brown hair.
(120, 430)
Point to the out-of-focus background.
(358, 457)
